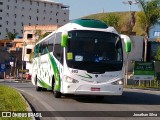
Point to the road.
(132, 100)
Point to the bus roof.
(91, 23)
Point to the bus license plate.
(95, 89)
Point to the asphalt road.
(133, 101)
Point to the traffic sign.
(2, 67)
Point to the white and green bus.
(83, 57)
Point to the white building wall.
(17, 13)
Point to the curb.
(151, 89)
(28, 106)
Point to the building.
(155, 31)
(30, 37)
(14, 14)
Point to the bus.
(83, 57)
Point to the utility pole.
(23, 52)
(130, 2)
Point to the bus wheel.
(57, 94)
(37, 87)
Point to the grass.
(11, 100)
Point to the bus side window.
(58, 52)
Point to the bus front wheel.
(37, 87)
(56, 93)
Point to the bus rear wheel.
(56, 93)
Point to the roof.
(51, 1)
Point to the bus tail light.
(70, 80)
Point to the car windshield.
(94, 51)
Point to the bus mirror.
(64, 40)
(127, 42)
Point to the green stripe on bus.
(56, 72)
(43, 84)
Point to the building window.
(44, 18)
(29, 24)
(37, 11)
(0, 25)
(8, 0)
(6, 29)
(29, 51)
(0, 18)
(1, 3)
(22, 8)
(44, 4)
(57, 20)
(22, 16)
(14, 23)
(7, 22)
(14, 30)
(156, 33)
(15, 7)
(29, 36)
(8, 7)
(57, 6)
(0, 10)
(15, 15)
(51, 12)
(57, 14)
(37, 3)
(50, 19)
(37, 18)
(22, 31)
(22, 24)
(30, 2)
(30, 17)
(15, 1)
(8, 14)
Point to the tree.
(113, 20)
(148, 17)
(40, 36)
(11, 36)
(157, 57)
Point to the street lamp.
(23, 52)
(130, 4)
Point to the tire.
(57, 94)
(37, 87)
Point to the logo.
(96, 76)
(86, 76)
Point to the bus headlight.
(70, 80)
(119, 82)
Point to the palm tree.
(148, 17)
(11, 36)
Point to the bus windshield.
(94, 51)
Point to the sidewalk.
(14, 80)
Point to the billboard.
(143, 70)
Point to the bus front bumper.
(101, 89)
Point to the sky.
(80, 8)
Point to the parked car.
(28, 76)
